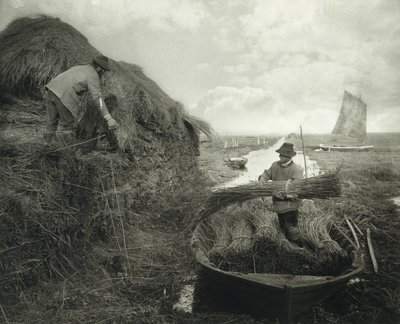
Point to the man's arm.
(95, 91)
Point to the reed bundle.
(273, 252)
(221, 226)
(322, 186)
(314, 229)
(267, 236)
(257, 243)
(240, 251)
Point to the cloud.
(308, 52)
(223, 58)
(113, 16)
(256, 111)
(387, 120)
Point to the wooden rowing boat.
(345, 148)
(283, 296)
(236, 162)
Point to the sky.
(250, 67)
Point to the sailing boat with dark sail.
(352, 119)
(351, 123)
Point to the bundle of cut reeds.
(266, 238)
(323, 186)
(240, 251)
(314, 227)
(273, 252)
(221, 225)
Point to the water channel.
(198, 295)
(260, 160)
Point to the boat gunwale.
(312, 283)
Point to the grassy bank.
(370, 180)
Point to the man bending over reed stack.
(286, 206)
(64, 95)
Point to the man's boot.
(292, 233)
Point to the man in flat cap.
(285, 206)
(64, 95)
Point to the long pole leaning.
(304, 152)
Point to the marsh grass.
(77, 237)
(370, 180)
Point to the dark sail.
(352, 118)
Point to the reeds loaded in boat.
(258, 244)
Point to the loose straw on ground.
(353, 232)
(4, 314)
(76, 144)
(120, 216)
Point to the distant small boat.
(345, 148)
(236, 162)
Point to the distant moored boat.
(345, 148)
(236, 162)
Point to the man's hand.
(279, 195)
(111, 123)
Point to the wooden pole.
(371, 251)
(352, 231)
(304, 153)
